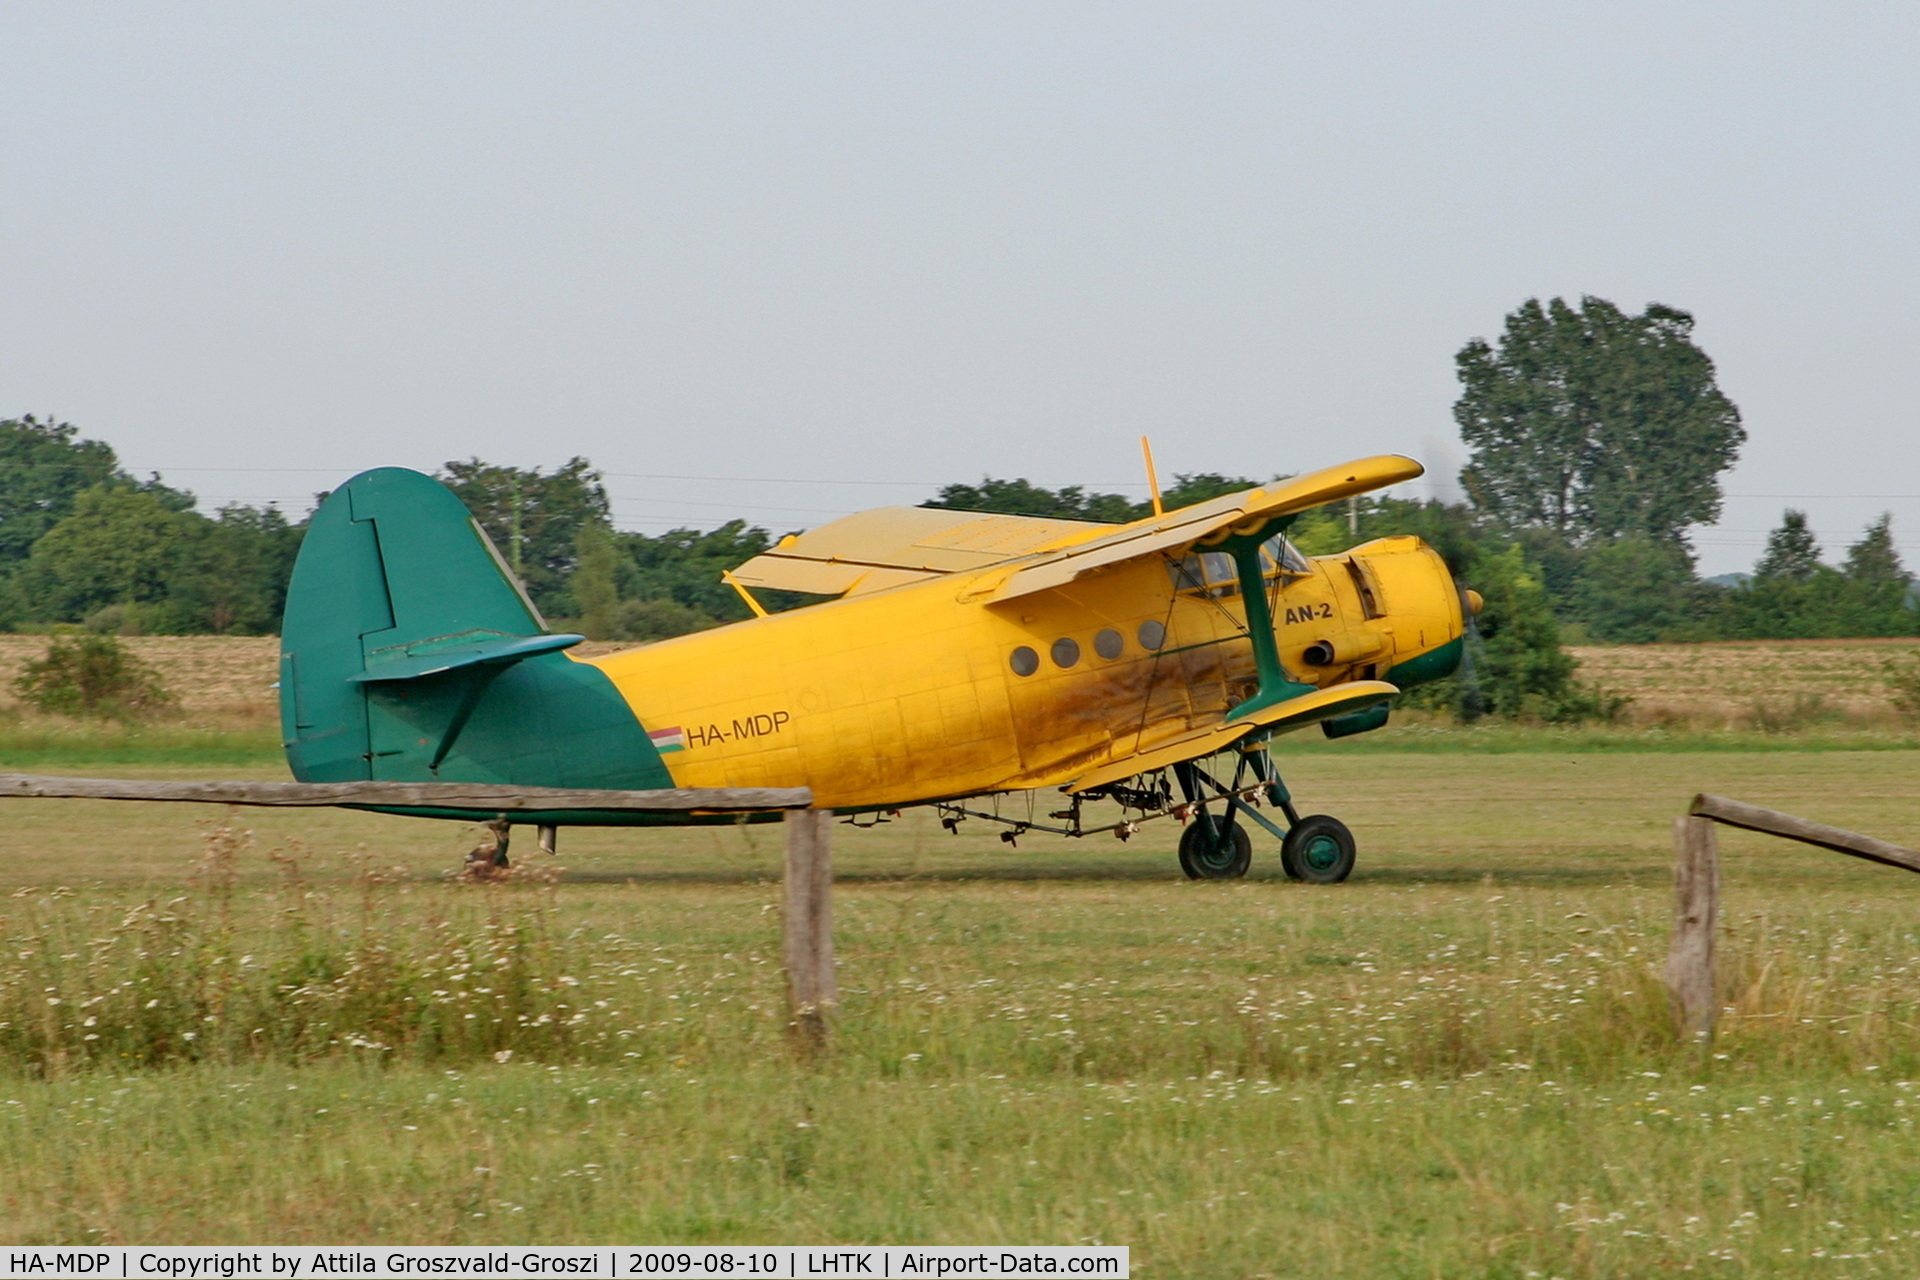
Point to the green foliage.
(1074, 502)
(43, 469)
(1877, 599)
(684, 566)
(1024, 498)
(93, 676)
(1794, 595)
(1792, 554)
(117, 547)
(1595, 424)
(535, 518)
(229, 575)
(1522, 670)
(1202, 486)
(595, 585)
(650, 620)
(127, 559)
(1635, 590)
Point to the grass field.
(1457, 1064)
(266, 1026)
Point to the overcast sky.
(823, 257)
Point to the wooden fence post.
(1696, 894)
(812, 990)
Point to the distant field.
(1749, 683)
(1727, 685)
(217, 675)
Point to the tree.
(596, 583)
(1635, 590)
(1791, 594)
(534, 517)
(117, 548)
(93, 675)
(229, 575)
(1792, 554)
(1024, 498)
(1201, 486)
(684, 565)
(1876, 599)
(44, 469)
(1595, 424)
(650, 620)
(1521, 671)
(1076, 502)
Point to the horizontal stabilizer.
(478, 650)
(1294, 713)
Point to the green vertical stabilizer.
(409, 653)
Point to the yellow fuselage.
(916, 693)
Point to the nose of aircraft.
(1415, 601)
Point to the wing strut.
(1244, 546)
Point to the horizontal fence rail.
(1752, 817)
(480, 797)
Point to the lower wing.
(1308, 708)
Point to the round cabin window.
(1109, 644)
(1025, 661)
(1066, 652)
(1152, 634)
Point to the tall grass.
(396, 970)
(1391, 1078)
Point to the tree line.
(1597, 439)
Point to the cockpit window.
(1211, 573)
(1284, 555)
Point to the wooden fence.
(812, 990)
(1696, 884)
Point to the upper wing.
(888, 546)
(1179, 530)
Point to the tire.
(1215, 849)
(1318, 850)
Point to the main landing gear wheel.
(1216, 849)
(1318, 850)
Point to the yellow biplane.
(966, 656)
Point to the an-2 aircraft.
(966, 656)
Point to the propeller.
(1472, 702)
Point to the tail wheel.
(1318, 850)
(1215, 849)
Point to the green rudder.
(409, 653)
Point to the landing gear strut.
(489, 858)
(1216, 845)
(1317, 849)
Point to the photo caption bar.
(717, 1262)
